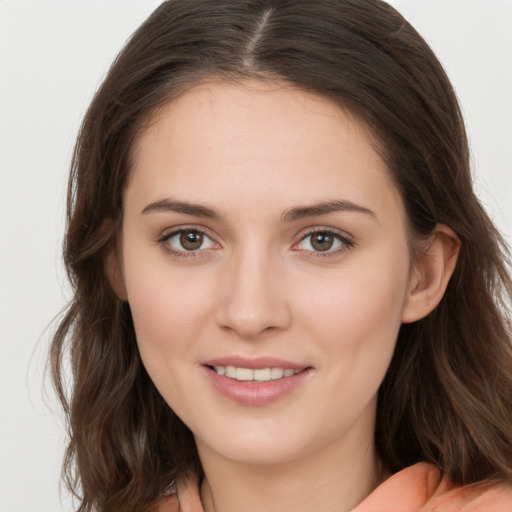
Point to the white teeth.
(230, 372)
(263, 374)
(244, 374)
(258, 375)
(277, 373)
(221, 370)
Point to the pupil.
(191, 240)
(322, 241)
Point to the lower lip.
(255, 393)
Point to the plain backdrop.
(53, 55)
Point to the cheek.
(167, 309)
(359, 310)
(166, 302)
(355, 319)
(168, 312)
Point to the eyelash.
(184, 253)
(346, 243)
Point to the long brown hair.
(447, 397)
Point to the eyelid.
(347, 241)
(325, 229)
(169, 231)
(172, 232)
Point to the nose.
(253, 295)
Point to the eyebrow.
(294, 214)
(171, 205)
(316, 210)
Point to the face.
(266, 264)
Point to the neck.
(329, 481)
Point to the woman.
(287, 295)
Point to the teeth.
(230, 372)
(277, 373)
(258, 375)
(244, 374)
(263, 375)
(221, 370)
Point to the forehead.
(269, 141)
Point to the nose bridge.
(254, 298)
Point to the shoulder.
(422, 488)
(472, 498)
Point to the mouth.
(256, 374)
(256, 382)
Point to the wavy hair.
(447, 397)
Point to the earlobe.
(431, 273)
(113, 271)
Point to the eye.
(185, 241)
(324, 241)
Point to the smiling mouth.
(254, 375)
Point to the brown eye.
(187, 242)
(327, 242)
(322, 241)
(191, 240)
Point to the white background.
(53, 54)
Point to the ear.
(431, 272)
(113, 271)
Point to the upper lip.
(254, 363)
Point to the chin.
(255, 448)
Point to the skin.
(258, 287)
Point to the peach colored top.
(419, 488)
